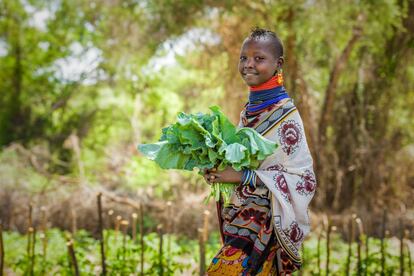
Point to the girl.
(264, 225)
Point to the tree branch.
(338, 68)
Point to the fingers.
(211, 178)
(207, 171)
(207, 178)
(214, 178)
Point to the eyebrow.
(257, 52)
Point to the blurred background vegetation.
(83, 82)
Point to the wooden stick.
(110, 226)
(30, 215)
(108, 223)
(43, 235)
(359, 244)
(141, 231)
(410, 266)
(350, 241)
(110, 219)
(124, 225)
(203, 242)
(32, 245)
(303, 259)
(34, 249)
(367, 256)
(202, 251)
(118, 220)
(43, 238)
(1, 250)
(401, 248)
(29, 234)
(205, 225)
(29, 249)
(328, 245)
(318, 252)
(169, 231)
(32, 232)
(384, 223)
(160, 251)
(72, 255)
(74, 221)
(134, 226)
(43, 211)
(100, 233)
(303, 254)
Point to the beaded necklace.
(265, 95)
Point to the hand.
(228, 175)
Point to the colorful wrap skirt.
(250, 246)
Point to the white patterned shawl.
(288, 174)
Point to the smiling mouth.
(250, 74)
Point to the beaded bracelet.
(249, 178)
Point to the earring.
(279, 76)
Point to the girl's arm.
(228, 175)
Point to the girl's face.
(257, 61)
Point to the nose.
(249, 63)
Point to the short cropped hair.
(259, 33)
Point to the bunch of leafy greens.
(206, 141)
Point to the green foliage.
(180, 254)
(370, 264)
(122, 253)
(205, 141)
(19, 174)
(34, 95)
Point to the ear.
(280, 61)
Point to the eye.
(258, 58)
(243, 58)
